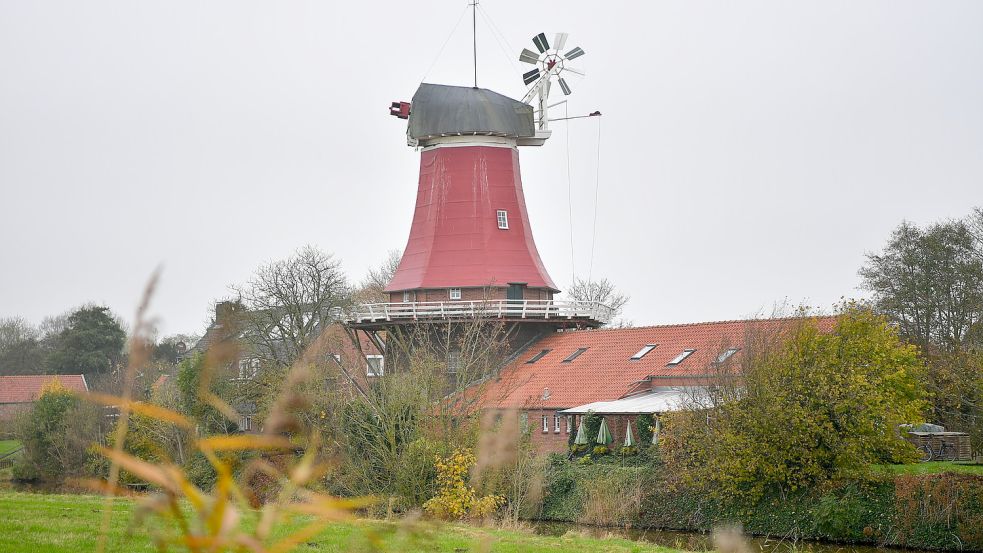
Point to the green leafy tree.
(91, 343)
(812, 406)
(930, 283)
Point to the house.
(619, 373)
(17, 393)
(227, 342)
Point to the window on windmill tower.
(503, 219)
(455, 293)
(453, 361)
(375, 365)
(680, 358)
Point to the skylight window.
(575, 355)
(538, 356)
(681, 357)
(725, 355)
(643, 352)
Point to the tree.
(20, 348)
(91, 343)
(288, 302)
(811, 406)
(930, 282)
(373, 285)
(602, 291)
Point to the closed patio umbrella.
(629, 439)
(581, 438)
(603, 434)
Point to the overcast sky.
(750, 151)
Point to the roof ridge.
(701, 323)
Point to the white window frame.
(681, 357)
(569, 423)
(453, 361)
(727, 354)
(245, 423)
(556, 423)
(248, 368)
(407, 297)
(369, 371)
(644, 351)
(454, 293)
(546, 424)
(503, 219)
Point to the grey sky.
(750, 151)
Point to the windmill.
(550, 64)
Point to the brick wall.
(470, 294)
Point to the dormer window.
(643, 352)
(681, 357)
(503, 219)
(455, 293)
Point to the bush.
(455, 499)
(57, 434)
(600, 450)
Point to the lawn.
(933, 467)
(6, 446)
(39, 523)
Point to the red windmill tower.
(471, 251)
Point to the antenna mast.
(474, 38)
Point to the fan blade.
(541, 43)
(564, 86)
(575, 53)
(528, 56)
(559, 40)
(572, 70)
(530, 77)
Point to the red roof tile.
(606, 371)
(25, 389)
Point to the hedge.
(933, 511)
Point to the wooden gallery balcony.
(559, 313)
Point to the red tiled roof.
(606, 371)
(25, 389)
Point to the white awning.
(659, 400)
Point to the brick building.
(17, 393)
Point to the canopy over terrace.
(659, 400)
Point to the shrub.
(600, 450)
(456, 500)
(56, 435)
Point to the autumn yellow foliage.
(455, 499)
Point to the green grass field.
(934, 467)
(6, 446)
(39, 523)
